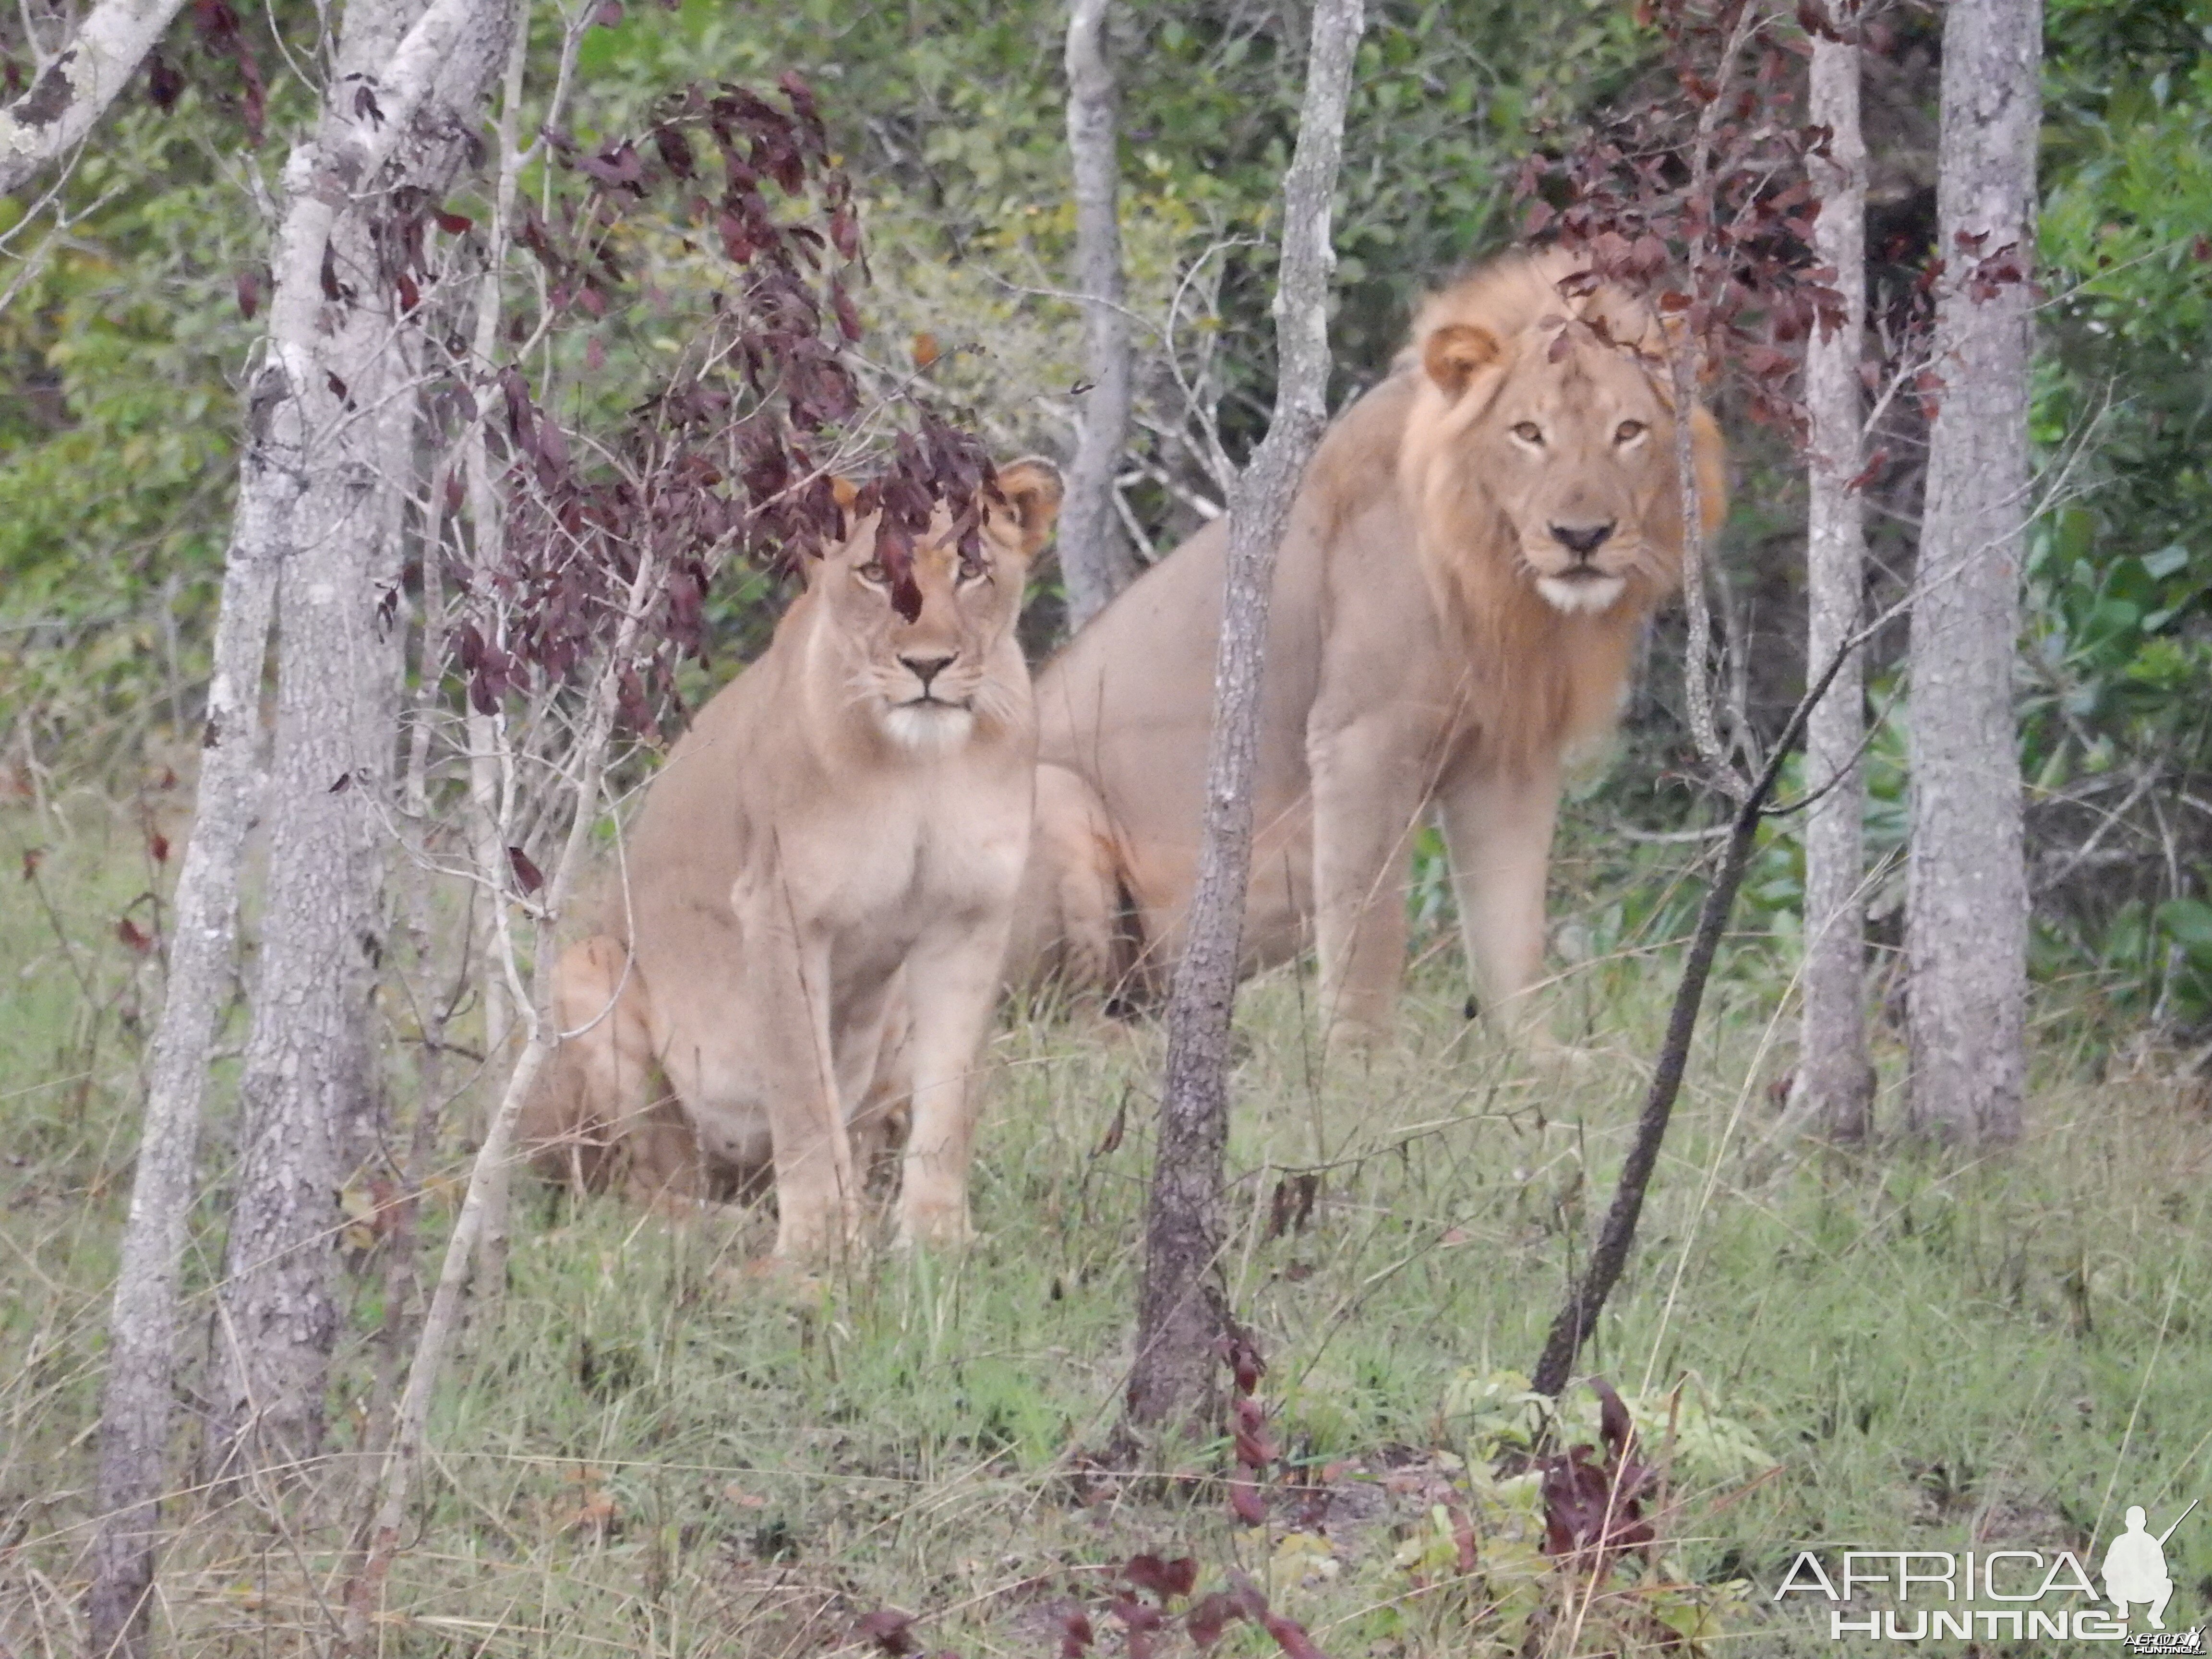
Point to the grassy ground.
(649, 1448)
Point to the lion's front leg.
(951, 985)
(1368, 794)
(1497, 826)
(817, 1189)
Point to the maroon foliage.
(1593, 1502)
(887, 1631)
(1255, 1451)
(1709, 215)
(1164, 1579)
(732, 454)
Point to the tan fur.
(819, 890)
(1436, 643)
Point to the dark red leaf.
(164, 84)
(32, 858)
(1076, 1635)
(530, 878)
(610, 14)
(1142, 1622)
(1211, 1615)
(344, 783)
(158, 845)
(1110, 1142)
(1244, 1504)
(410, 295)
(1163, 1578)
(889, 1630)
(132, 935)
(453, 224)
(249, 294)
(1875, 462)
(1291, 1636)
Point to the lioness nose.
(926, 669)
(1580, 540)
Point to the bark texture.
(74, 90)
(1834, 1083)
(1096, 558)
(1182, 1308)
(135, 1393)
(308, 1092)
(1967, 895)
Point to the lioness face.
(928, 678)
(1577, 453)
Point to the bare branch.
(76, 86)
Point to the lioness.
(829, 859)
(1469, 560)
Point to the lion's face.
(1574, 447)
(928, 679)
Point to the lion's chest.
(919, 856)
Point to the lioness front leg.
(817, 1189)
(951, 984)
(1366, 799)
(1497, 827)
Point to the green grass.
(653, 1450)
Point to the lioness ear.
(1454, 353)
(1032, 488)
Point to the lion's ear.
(1032, 488)
(1455, 353)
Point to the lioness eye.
(1528, 433)
(873, 573)
(1628, 430)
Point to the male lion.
(1469, 562)
(820, 889)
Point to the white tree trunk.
(1966, 901)
(1095, 556)
(310, 1082)
(75, 89)
(1181, 1309)
(135, 1393)
(1834, 1083)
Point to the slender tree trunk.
(136, 1394)
(487, 732)
(1182, 1307)
(1834, 1082)
(1095, 556)
(310, 1083)
(1966, 893)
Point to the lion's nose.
(1580, 540)
(926, 669)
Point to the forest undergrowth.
(652, 1446)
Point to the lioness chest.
(940, 854)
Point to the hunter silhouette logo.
(2134, 1567)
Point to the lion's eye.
(1529, 432)
(873, 573)
(1627, 431)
